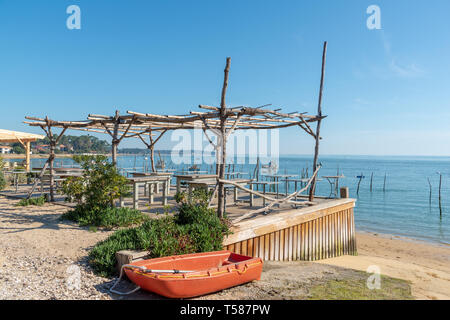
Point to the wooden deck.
(312, 233)
(320, 231)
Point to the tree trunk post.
(312, 190)
(222, 143)
(115, 141)
(27, 155)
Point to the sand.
(427, 266)
(39, 254)
(37, 251)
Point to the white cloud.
(409, 70)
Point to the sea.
(398, 203)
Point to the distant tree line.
(67, 144)
(141, 151)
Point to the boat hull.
(214, 271)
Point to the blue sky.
(386, 91)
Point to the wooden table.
(206, 183)
(149, 181)
(167, 175)
(15, 174)
(190, 177)
(334, 184)
(264, 184)
(277, 177)
(58, 177)
(233, 174)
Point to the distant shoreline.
(63, 156)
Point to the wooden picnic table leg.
(287, 186)
(235, 194)
(178, 184)
(164, 195)
(157, 187)
(296, 190)
(276, 180)
(264, 192)
(150, 193)
(136, 196)
(337, 187)
(251, 195)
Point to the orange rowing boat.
(194, 274)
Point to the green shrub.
(195, 228)
(2, 176)
(40, 201)
(98, 187)
(108, 217)
(95, 192)
(2, 181)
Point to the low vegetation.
(98, 187)
(356, 289)
(95, 193)
(2, 176)
(2, 181)
(108, 218)
(39, 201)
(194, 228)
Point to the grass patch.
(108, 217)
(356, 289)
(194, 228)
(40, 201)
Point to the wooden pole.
(51, 158)
(371, 179)
(359, 182)
(384, 183)
(222, 143)
(319, 114)
(151, 147)
(429, 184)
(27, 155)
(115, 140)
(440, 185)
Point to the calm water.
(403, 209)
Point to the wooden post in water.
(440, 203)
(359, 182)
(384, 183)
(429, 183)
(371, 179)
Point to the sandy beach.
(427, 266)
(34, 239)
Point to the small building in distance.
(5, 149)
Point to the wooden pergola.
(221, 120)
(25, 139)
